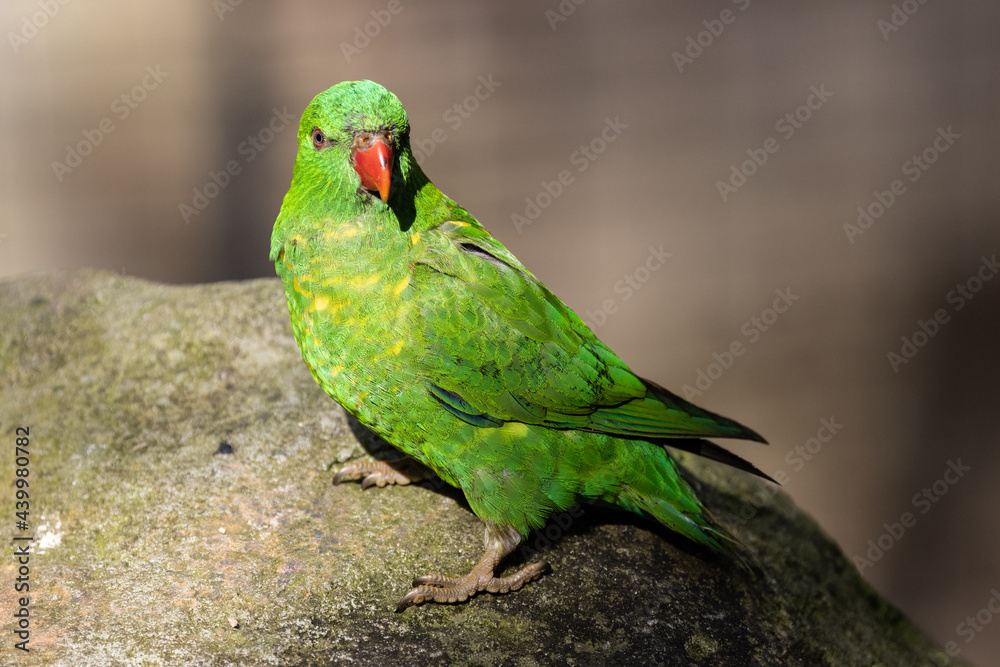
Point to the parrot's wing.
(503, 348)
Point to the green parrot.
(433, 335)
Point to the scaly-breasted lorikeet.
(427, 329)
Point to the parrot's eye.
(319, 139)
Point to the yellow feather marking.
(366, 281)
(463, 223)
(335, 370)
(414, 237)
(516, 429)
(342, 233)
(323, 304)
(400, 286)
(397, 348)
(298, 287)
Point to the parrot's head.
(355, 138)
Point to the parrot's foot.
(499, 543)
(398, 471)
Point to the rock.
(180, 462)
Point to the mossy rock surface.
(152, 542)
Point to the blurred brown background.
(202, 82)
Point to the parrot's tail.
(701, 528)
(695, 526)
(659, 491)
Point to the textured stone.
(154, 546)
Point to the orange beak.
(374, 166)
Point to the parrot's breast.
(354, 323)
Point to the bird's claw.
(381, 473)
(437, 588)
